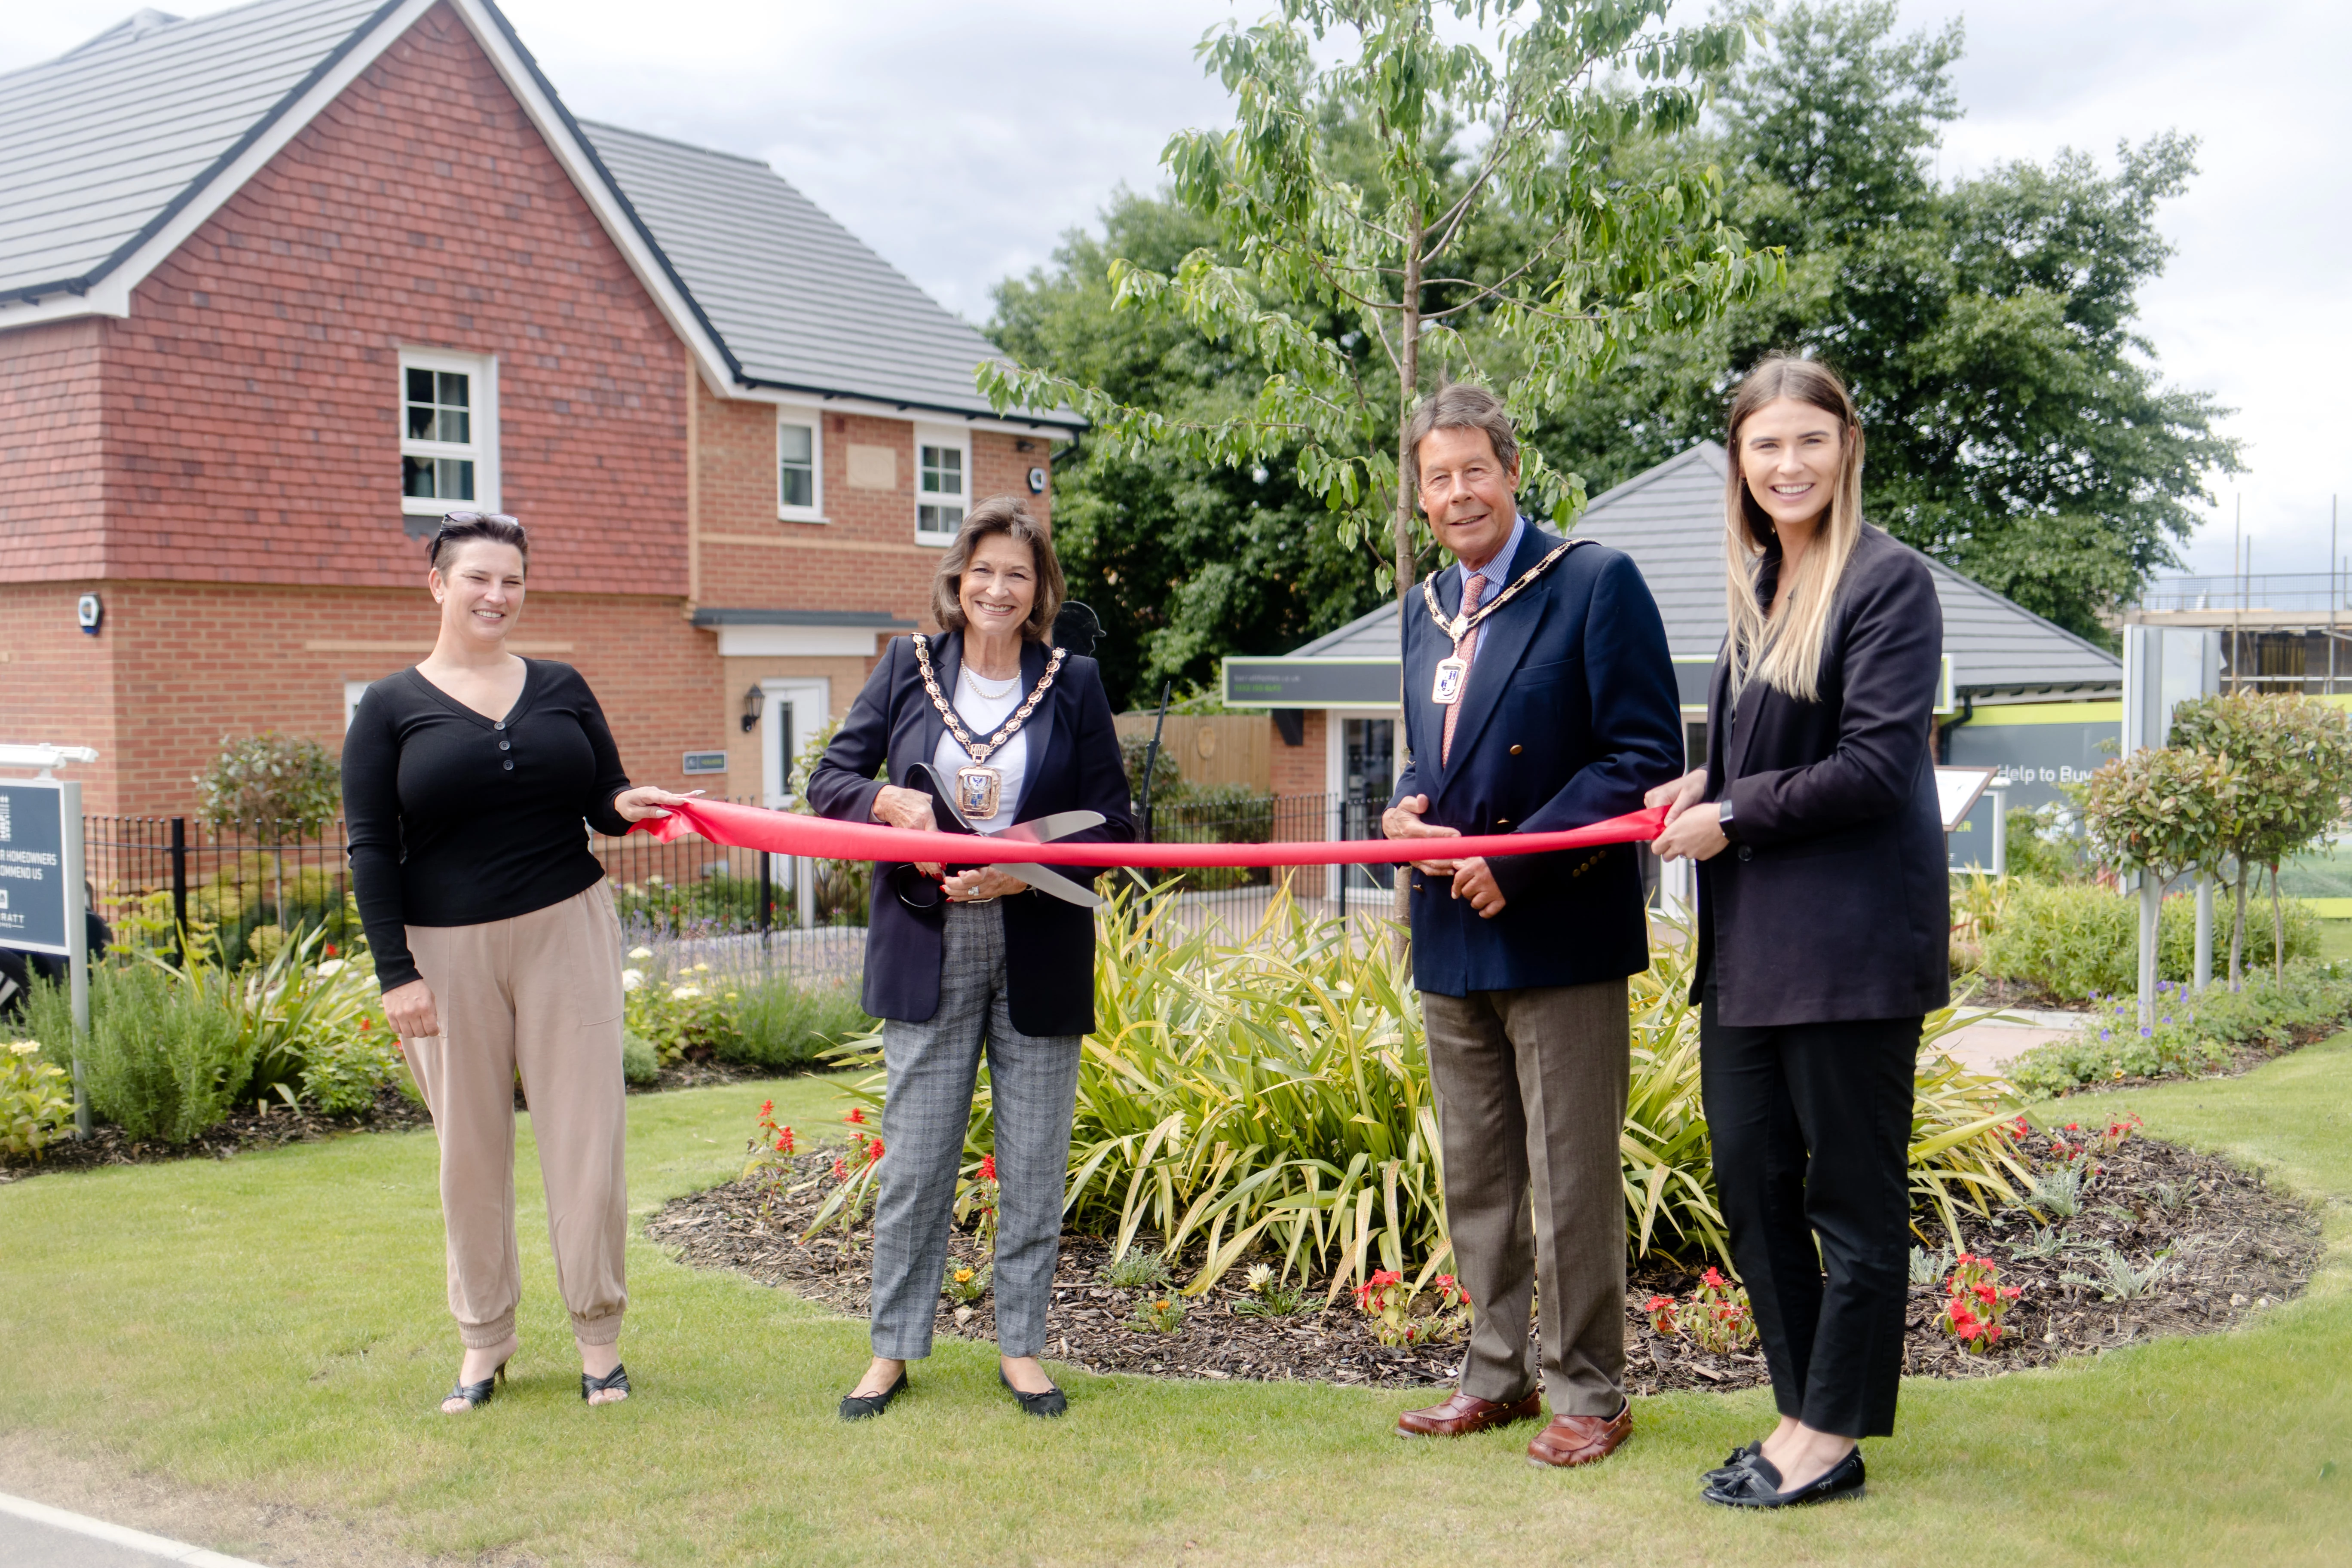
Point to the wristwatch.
(1723, 818)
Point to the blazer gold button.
(1502, 822)
(1515, 750)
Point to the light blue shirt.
(1495, 570)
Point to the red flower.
(331, 950)
(1657, 1303)
(783, 1139)
(840, 1170)
(367, 1023)
(988, 1167)
(856, 1117)
(1714, 1279)
(873, 1152)
(767, 1108)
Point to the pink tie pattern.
(1473, 591)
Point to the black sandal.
(1050, 1402)
(618, 1378)
(476, 1394)
(863, 1406)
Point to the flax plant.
(1271, 1098)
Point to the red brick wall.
(51, 465)
(252, 397)
(864, 556)
(181, 666)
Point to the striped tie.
(1472, 592)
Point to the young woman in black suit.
(1824, 916)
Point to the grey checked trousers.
(932, 1068)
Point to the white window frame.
(814, 423)
(482, 451)
(352, 692)
(958, 438)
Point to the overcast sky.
(961, 141)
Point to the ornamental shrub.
(276, 786)
(163, 1060)
(33, 1100)
(2075, 940)
(2191, 1034)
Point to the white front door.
(797, 708)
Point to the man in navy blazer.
(1550, 704)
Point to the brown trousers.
(1530, 1100)
(538, 996)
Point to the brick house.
(281, 285)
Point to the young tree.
(2158, 811)
(2288, 759)
(1370, 153)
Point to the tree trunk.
(1409, 382)
(2238, 934)
(2278, 934)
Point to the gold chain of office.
(979, 751)
(1460, 626)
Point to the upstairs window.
(941, 490)
(798, 494)
(448, 433)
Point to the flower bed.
(2197, 1242)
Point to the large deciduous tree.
(2018, 426)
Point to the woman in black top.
(466, 783)
(1823, 934)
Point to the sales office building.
(281, 285)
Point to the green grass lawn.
(2336, 939)
(274, 1324)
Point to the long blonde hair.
(1786, 654)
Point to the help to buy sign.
(33, 893)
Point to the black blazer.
(1569, 716)
(1074, 765)
(1832, 902)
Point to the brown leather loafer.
(1467, 1413)
(1580, 1439)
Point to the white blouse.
(983, 705)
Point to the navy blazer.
(1569, 715)
(1834, 901)
(1074, 765)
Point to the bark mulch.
(252, 1127)
(2230, 1246)
(271, 1126)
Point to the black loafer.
(860, 1407)
(1758, 1485)
(1733, 1462)
(1050, 1402)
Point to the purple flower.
(2145, 1031)
(2106, 1035)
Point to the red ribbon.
(823, 838)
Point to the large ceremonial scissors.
(1043, 830)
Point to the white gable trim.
(110, 295)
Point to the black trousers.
(1811, 1127)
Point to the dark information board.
(33, 891)
(1312, 683)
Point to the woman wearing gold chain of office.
(985, 726)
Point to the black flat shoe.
(1050, 1402)
(618, 1378)
(476, 1394)
(860, 1407)
(1733, 1462)
(1758, 1485)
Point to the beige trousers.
(538, 996)
(1531, 1090)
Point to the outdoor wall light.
(90, 613)
(754, 701)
